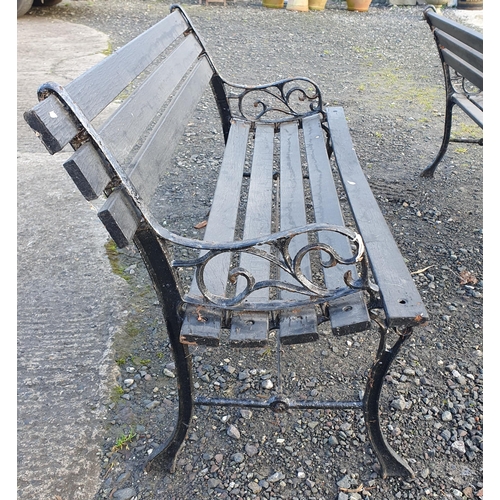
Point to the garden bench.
(461, 53)
(276, 254)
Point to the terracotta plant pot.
(358, 5)
(273, 4)
(299, 5)
(317, 4)
(470, 4)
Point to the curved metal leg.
(167, 290)
(391, 463)
(429, 171)
(165, 455)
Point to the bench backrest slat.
(456, 30)
(460, 48)
(125, 64)
(136, 113)
(462, 51)
(125, 127)
(463, 68)
(107, 79)
(153, 156)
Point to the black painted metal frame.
(151, 247)
(153, 242)
(455, 85)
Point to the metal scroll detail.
(276, 102)
(462, 86)
(292, 266)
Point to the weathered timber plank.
(87, 170)
(100, 85)
(251, 329)
(124, 128)
(458, 31)
(472, 74)
(351, 314)
(472, 110)
(220, 227)
(296, 326)
(152, 158)
(471, 56)
(402, 303)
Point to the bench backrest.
(459, 47)
(158, 79)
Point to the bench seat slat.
(152, 159)
(251, 329)
(470, 108)
(296, 326)
(402, 303)
(353, 315)
(477, 100)
(53, 123)
(220, 227)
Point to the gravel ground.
(382, 67)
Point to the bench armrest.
(277, 102)
(281, 258)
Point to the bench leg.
(429, 171)
(165, 455)
(391, 464)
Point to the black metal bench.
(461, 53)
(270, 263)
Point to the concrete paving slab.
(67, 293)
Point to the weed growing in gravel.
(116, 393)
(114, 260)
(124, 440)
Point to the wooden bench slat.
(87, 170)
(201, 326)
(296, 326)
(469, 55)
(50, 119)
(402, 303)
(220, 227)
(86, 167)
(478, 101)
(463, 68)
(152, 158)
(251, 329)
(353, 315)
(458, 31)
(473, 111)
(119, 217)
(144, 103)
(125, 64)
